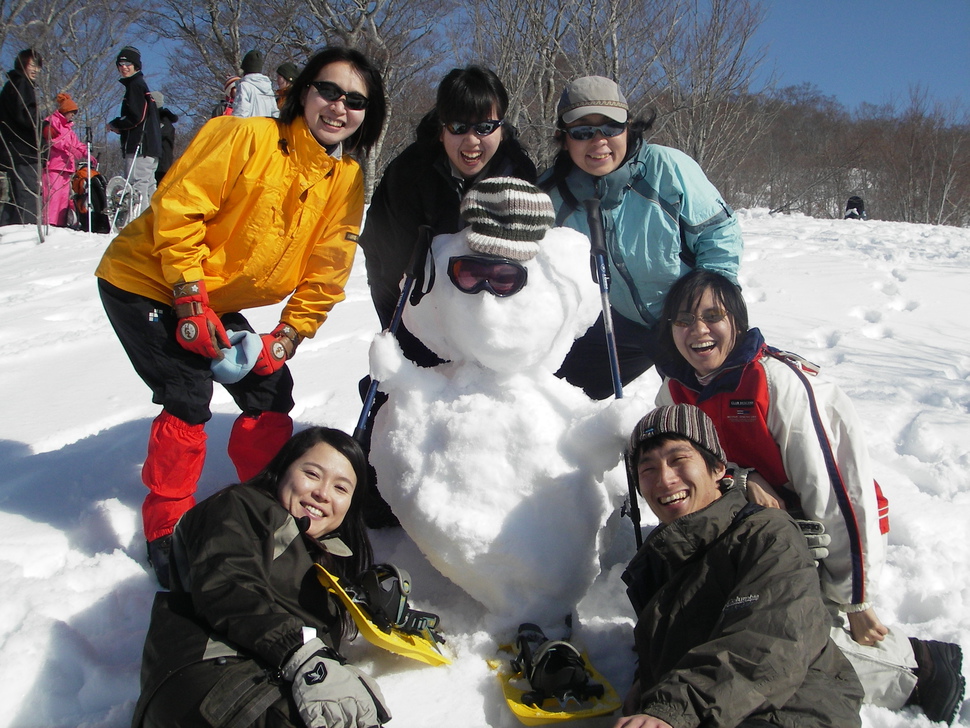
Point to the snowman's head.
(509, 293)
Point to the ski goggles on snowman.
(499, 276)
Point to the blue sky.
(870, 50)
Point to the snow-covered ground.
(877, 304)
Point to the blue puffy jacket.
(661, 217)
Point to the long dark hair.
(352, 531)
(370, 129)
(684, 295)
(26, 56)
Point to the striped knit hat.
(508, 217)
(684, 420)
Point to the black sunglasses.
(586, 132)
(499, 276)
(331, 92)
(481, 129)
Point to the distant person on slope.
(254, 212)
(285, 75)
(141, 139)
(801, 447)
(20, 139)
(254, 94)
(65, 150)
(166, 122)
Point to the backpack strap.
(801, 367)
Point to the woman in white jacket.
(799, 444)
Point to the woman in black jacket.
(246, 617)
(463, 139)
(20, 137)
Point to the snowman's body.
(492, 464)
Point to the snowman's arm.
(600, 439)
(394, 371)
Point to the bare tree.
(921, 162)
(537, 46)
(708, 73)
(396, 35)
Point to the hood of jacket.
(260, 81)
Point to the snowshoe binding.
(548, 681)
(554, 668)
(378, 603)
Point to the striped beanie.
(684, 420)
(508, 217)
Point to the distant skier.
(254, 96)
(855, 209)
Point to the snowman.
(494, 466)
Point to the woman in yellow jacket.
(254, 211)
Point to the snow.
(877, 304)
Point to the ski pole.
(418, 255)
(597, 239)
(87, 140)
(131, 171)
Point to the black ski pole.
(597, 239)
(415, 266)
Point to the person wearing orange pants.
(181, 381)
(255, 211)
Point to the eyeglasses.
(586, 132)
(332, 92)
(710, 316)
(125, 64)
(499, 276)
(481, 129)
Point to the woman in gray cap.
(662, 217)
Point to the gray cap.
(592, 95)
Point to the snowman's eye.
(499, 276)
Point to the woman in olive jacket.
(245, 598)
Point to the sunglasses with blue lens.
(331, 92)
(481, 129)
(586, 132)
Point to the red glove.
(199, 330)
(277, 348)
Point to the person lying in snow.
(247, 619)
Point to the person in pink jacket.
(65, 150)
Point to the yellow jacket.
(257, 210)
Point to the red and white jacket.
(802, 434)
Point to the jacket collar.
(125, 81)
(728, 377)
(306, 152)
(609, 188)
(676, 542)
